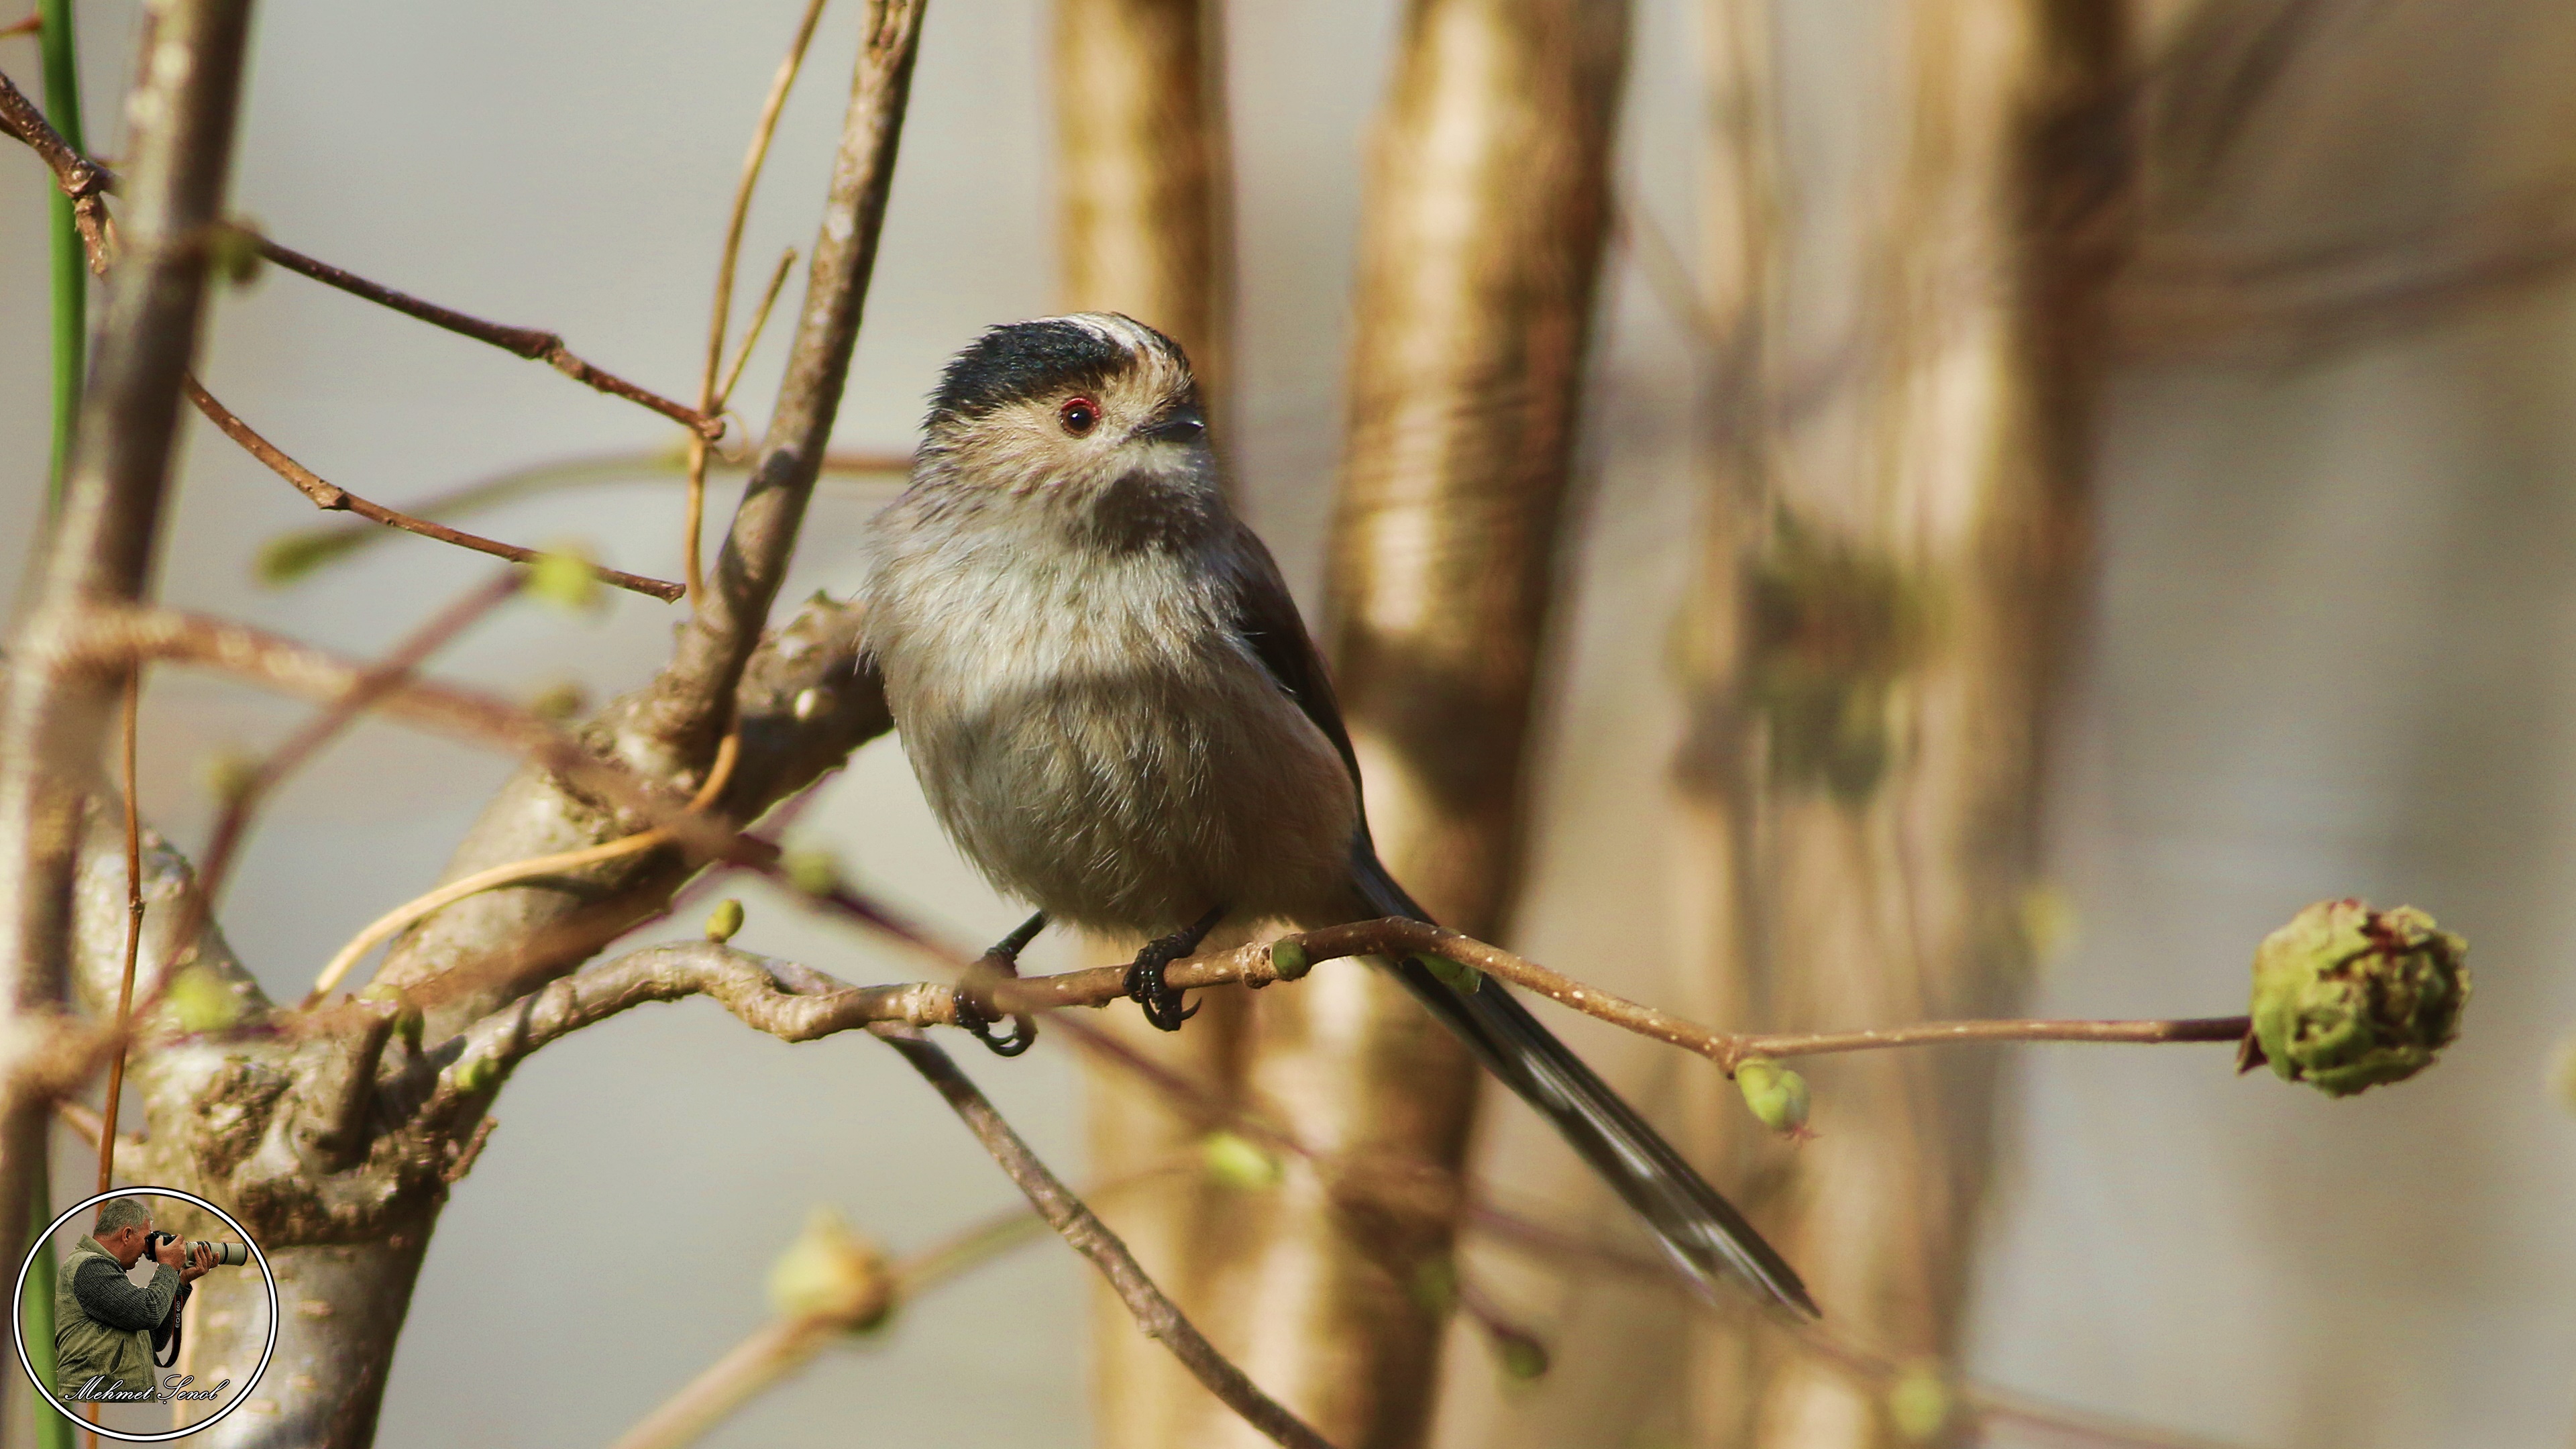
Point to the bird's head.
(1094, 410)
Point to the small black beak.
(1183, 424)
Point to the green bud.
(565, 577)
(560, 701)
(815, 872)
(229, 774)
(199, 1000)
(724, 920)
(408, 1020)
(1777, 1095)
(1519, 1353)
(2346, 997)
(235, 252)
(832, 1272)
(475, 1075)
(290, 556)
(1463, 977)
(1238, 1162)
(1289, 959)
(1919, 1403)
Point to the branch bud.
(2346, 997)
(1456, 974)
(831, 1272)
(565, 577)
(1777, 1095)
(1919, 1403)
(1518, 1352)
(1238, 1162)
(198, 1000)
(1289, 959)
(724, 920)
(815, 872)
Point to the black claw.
(1002, 960)
(970, 1017)
(1145, 984)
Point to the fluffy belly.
(1131, 801)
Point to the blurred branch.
(101, 542)
(788, 1342)
(710, 393)
(395, 668)
(2184, 300)
(290, 555)
(1156, 1314)
(330, 496)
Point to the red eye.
(1079, 415)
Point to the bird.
(1115, 711)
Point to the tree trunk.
(1881, 646)
(1488, 207)
(101, 546)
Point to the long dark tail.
(1702, 1231)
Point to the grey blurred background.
(2328, 656)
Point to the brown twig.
(331, 496)
(1156, 1314)
(710, 395)
(533, 343)
(83, 179)
(133, 927)
(27, 26)
(686, 706)
(749, 987)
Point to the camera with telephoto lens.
(231, 1255)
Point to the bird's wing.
(1700, 1230)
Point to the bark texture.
(1888, 593)
(100, 548)
(1487, 210)
(332, 1135)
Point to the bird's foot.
(1145, 983)
(1002, 961)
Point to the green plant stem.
(36, 1322)
(70, 264)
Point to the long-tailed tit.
(1106, 691)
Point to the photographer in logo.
(108, 1333)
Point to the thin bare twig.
(686, 705)
(331, 496)
(533, 343)
(1159, 1317)
(710, 395)
(133, 926)
(83, 179)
